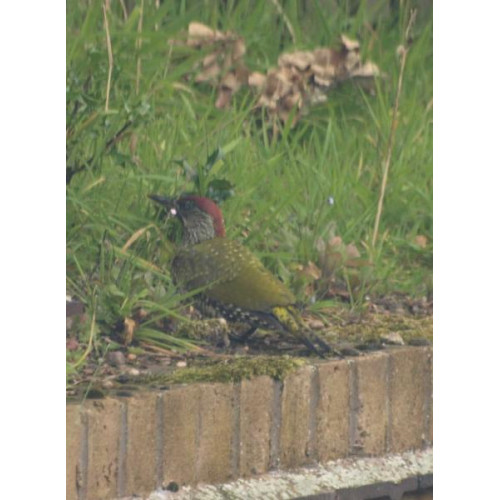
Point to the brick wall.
(367, 406)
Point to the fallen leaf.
(393, 338)
(335, 241)
(349, 44)
(311, 270)
(129, 328)
(72, 344)
(351, 251)
(315, 324)
(223, 98)
(200, 30)
(320, 246)
(257, 79)
(420, 240)
(301, 79)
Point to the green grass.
(281, 185)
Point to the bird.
(230, 279)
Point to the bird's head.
(201, 218)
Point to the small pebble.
(181, 364)
(72, 344)
(315, 324)
(95, 393)
(133, 372)
(124, 394)
(370, 346)
(172, 486)
(107, 384)
(393, 338)
(349, 351)
(131, 356)
(116, 358)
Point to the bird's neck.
(197, 228)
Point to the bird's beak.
(169, 204)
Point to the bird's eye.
(188, 204)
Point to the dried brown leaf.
(324, 57)
(330, 261)
(129, 328)
(230, 81)
(200, 30)
(223, 98)
(72, 344)
(352, 252)
(300, 59)
(239, 49)
(335, 241)
(311, 270)
(420, 240)
(367, 70)
(257, 79)
(320, 246)
(301, 79)
(350, 45)
(210, 73)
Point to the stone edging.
(211, 433)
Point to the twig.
(282, 13)
(118, 135)
(124, 9)
(157, 5)
(110, 57)
(138, 47)
(394, 123)
(72, 170)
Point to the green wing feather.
(231, 275)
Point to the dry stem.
(282, 13)
(157, 5)
(124, 10)
(110, 57)
(138, 47)
(394, 122)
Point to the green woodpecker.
(231, 279)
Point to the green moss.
(371, 327)
(231, 370)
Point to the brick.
(430, 397)
(214, 457)
(74, 435)
(295, 418)
(140, 462)
(409, 389)
(181, 422)
(104, 426)
(332, 414)
(369, 404)
(255, 425)
(418, 495)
